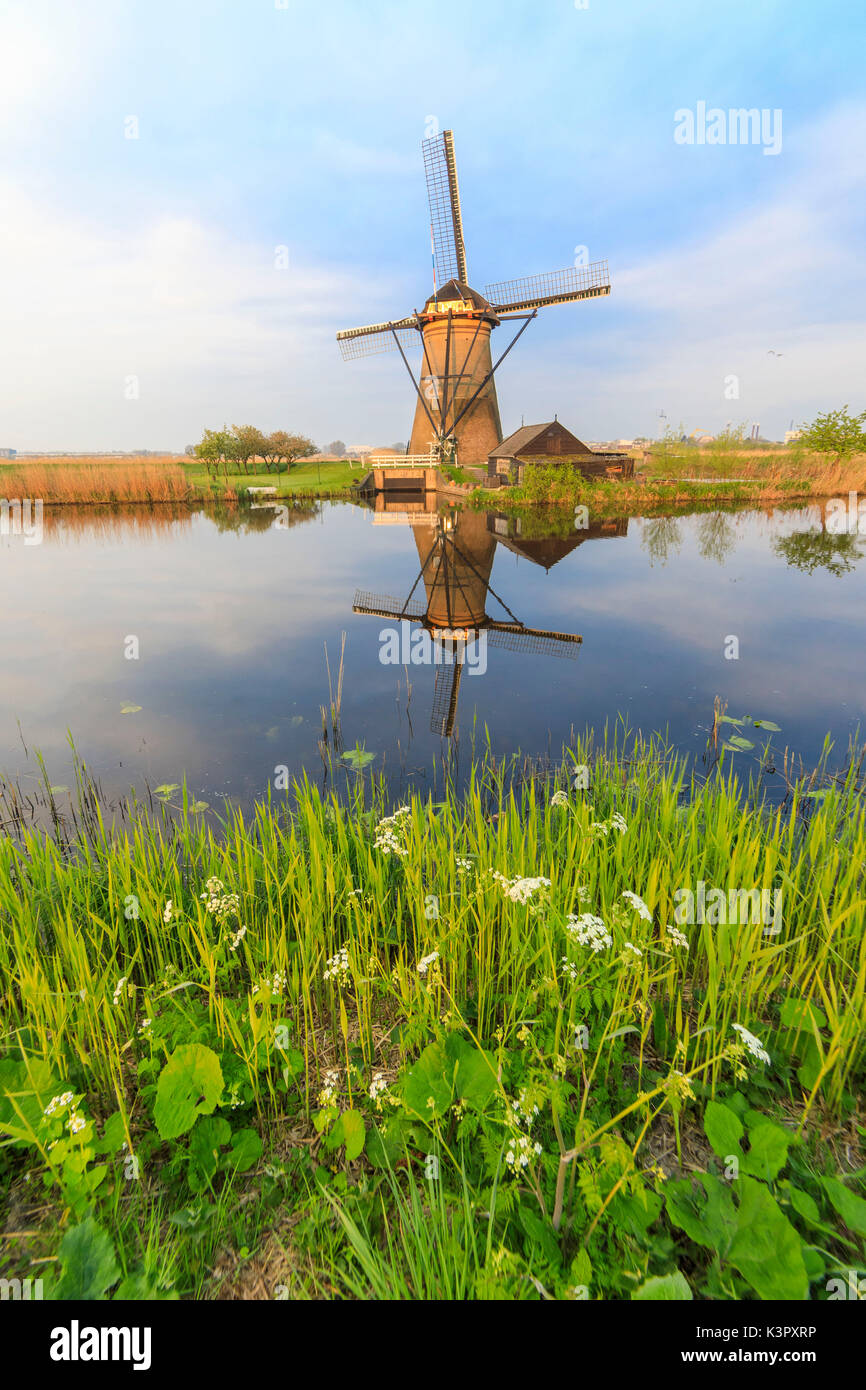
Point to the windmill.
(457, 413)
(456, 554)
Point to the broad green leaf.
(723, 1129)
(26, 1087)
(850, 1207)
(800, 1013)
(736, 743)
(766, 1249)
(429, 1088)
(768, 1151)
(707, 1216)
(767, 724)
(190, 1084)
(167, 789)
(664, 1288)
(246, 1150)
(804, 1205)
(385, 1143)
(208, 1137)
(89, 1264)
(353, 1133)
(113, 1135)
(475, 1077)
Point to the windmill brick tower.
(457, 411)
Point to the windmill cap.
(456, 289)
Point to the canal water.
(172, 644)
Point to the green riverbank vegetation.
(466, 1047)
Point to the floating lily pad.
(166, 789)
(130, 709)
(199, 806)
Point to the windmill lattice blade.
(443, 195)
(445, 692)
(536, 641)
(557, 287)
(386, 606)
(376, 337)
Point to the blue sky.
(261, 126)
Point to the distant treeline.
(243, 444)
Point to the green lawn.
(317, 479)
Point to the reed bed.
(59, 481)
(333, 954)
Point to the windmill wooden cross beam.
(457, 411)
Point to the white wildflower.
(520, 1152)
(524, 1111)
(338, 968)
(426, 961)
(559, 798)
(328, 1093)
(630, 946)
(378, 1088)
(677, 937)
(638, 904)
(76, 1123)
(589, 930)
(753, 1044)
(387, 833)
(119, 988)
(237, 938)
(58, 1103)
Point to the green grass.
(308, 479)
(240, 1118)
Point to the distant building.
(552, 443)
(8, 453)
(791, 435)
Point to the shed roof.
(527, 434)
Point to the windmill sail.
(386, 606)
(535, 640)
(445, 692)
(443, 195)
(377, 337)
(557, 287)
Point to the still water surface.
(232, 615)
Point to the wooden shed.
(552, 443)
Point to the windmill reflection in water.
(456, 554)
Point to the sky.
(196, 196)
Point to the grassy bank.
(692, 477)
(98, 481)
(455, 1050)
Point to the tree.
(400, 447)
(836, 433)
(336, 449)
(217, 447)
(249, 443)
(287, 448)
